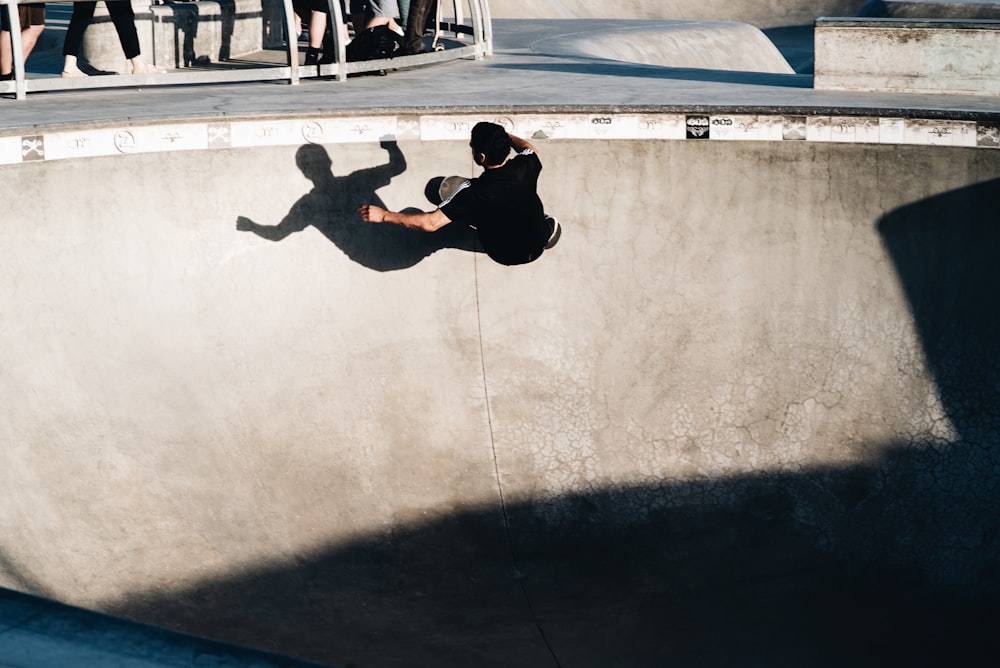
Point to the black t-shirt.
(505, 209)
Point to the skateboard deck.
(449, 185)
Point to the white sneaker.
(145, 68)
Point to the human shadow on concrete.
(616, 68)
(772, 570)
(332, 208)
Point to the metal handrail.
(480, 47)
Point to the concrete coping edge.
(906, 23)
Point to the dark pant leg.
(124, 19)
(416, 22)
(83, 12)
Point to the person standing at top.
(417, 14)
(32, 20)
(123, 18)
(502, 205)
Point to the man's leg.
(416, 23)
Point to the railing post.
(337, 27)
(293, 42)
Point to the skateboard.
(449, 185)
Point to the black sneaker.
(554, 234)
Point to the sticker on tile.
(794, 128)
(32, 148)
(408, 127)
(988, 136)
(218, 135)
(696, 127)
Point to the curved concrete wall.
(766, 14)
(744, 362)
(712, 45)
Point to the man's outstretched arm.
(428, 222)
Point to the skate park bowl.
(744, 413)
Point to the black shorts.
(28, 15)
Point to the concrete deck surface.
(743, 414)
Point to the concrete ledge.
(933, 9)
(958, 56)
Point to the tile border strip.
(187, 136)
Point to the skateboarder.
(502, 204)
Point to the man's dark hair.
(492, 141)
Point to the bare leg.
(317, 28)
(6, 53)
(29, 37)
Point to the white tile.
(890, 130)
(265, 133)
(722, 127)
(964, 133)
(160, 138)
(770, 128)
(85, 143)
(456, 127)
(560, 126)
(10, 150)
(819, 128)
(843, 129)
(349, 130)
(867, 130)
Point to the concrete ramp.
(762, 13)
(743, 414)
(709, 45)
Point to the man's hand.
(372, 214)
(244, 224)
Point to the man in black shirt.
(502, 205)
